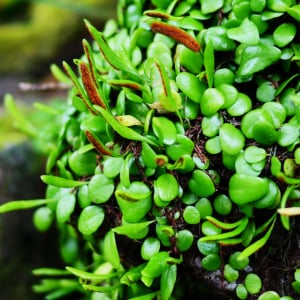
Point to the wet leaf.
(164, 129)
(150, 246)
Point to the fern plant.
(177, 160)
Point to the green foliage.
(159, 158)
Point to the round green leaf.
(271, 199)
(284, 34)
(65, 206)
(83, 196)
(264, 133)
(43, 218)
(190, 85)
(182, 146)
(265, 91)
(213, 145)
(184, 240)
(241, 291)
(83, 164)
(253, 283)
(244, 189)
(210, 125)
(212, 100)
(230, 94)
(276, 111)
(254, 154)
(217, 35)
(279, 5)
(230, 274)
(242, 105)
(208, 228)
(190, 60)
(211, 262)
(223, 75)
(90, 219)
(166, 186)
(238, 264)
(250, 119)
(205, 207)
(112, 166)
(222, 204)
(208, 7)
(257, 5)
(269, 295)
(201, 184)
(135, 201)
(100, 189)
(208, 247)
(231, 139)
(288, 134)
(134, 231)
(150, 246)
(191, 215)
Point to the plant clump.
(178, 157)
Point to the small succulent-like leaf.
(110, 250)
(135, 200)
(167, 281)
(100, 188)
(90, 219)
(166, 186)
(65, 206)
(244, 188)
(62, 182)
(23, 204)
(164, 129)
(133, 230)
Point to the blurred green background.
(33, 34)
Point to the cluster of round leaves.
(169, 136)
